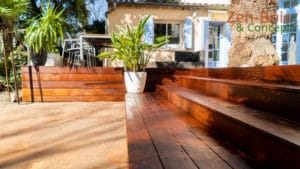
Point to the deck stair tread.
(251, 83)
(268, 123)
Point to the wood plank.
(76, 84)
(172, 155)
(80, 70)
(75, 92)
(274, 98)
(224, 150)
(260, 134)
(26, 98)
(290, 73)
(233, 156)
(142, 154)
(75, 77)
(179, 123)
(282, 74)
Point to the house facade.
(199, 34)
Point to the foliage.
(130, 47)
(12, 8)
(20, 59)
(75, 12)
(45, 31)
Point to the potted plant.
(44, 34)
(130, 47)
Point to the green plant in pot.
(131, 48)
(44, 34)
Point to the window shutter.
(149, 31)
(188, 33)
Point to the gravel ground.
(63, 136)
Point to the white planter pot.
(135, 81)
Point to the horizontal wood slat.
(76, 84)
(283, 74)
(60, 84)
(74, 77)
(81, 70)
(75, 92)
(75, 98)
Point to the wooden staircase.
(260, 116)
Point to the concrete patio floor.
(63, 136)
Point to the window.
(169, 30)
(214, 44)
(288, 37)
(290, 3)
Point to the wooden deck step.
(160, 135)
(277, 98)
(267, 137)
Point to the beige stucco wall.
(131, 15)
(125, 14)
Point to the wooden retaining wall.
(107, 84)
(60, 84)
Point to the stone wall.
(251, 22)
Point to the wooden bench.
(160, 135)
(268, 138)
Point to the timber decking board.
(172, 155)
(200, 154)
(67, 70)
(287, 74)
(142, 154)
(74, 98)
(76, 84)
(257, 84)
(280, 127)
(226, 151)
(173, 140)
(76, 92)
(290, 73)
(74, 77)
(271, 97)
(266, 137)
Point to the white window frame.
(172, 46)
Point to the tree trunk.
(252, 23)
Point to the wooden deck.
(160, 135)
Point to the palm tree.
(10, 11)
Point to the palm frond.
(130, 47)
